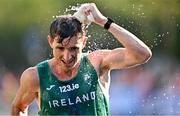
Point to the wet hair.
(64, 27)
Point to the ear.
(84, 38)
(50, 41)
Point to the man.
(72, 82)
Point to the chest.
(80, 90)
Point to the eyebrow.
(59, 46)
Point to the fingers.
(86, 10)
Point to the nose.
(67, 56)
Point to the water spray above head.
(82, 17)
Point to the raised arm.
(134, 52)
(27, 91)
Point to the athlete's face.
(68, 53)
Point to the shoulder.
(29, 78)
(96, 58)
(98, 54)
(30, 70)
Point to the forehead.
(68, 42)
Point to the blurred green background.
(156, 22)
(24, 26)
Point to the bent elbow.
(145, 56)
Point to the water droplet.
(57, 16)
(89, 36)
(151, 46)
(159, 35)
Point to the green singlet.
(81, 95)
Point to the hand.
(98, 17)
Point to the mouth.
(68, 63)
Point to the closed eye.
(60, 48)
(74, 48)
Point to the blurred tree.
(155, 22)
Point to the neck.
(62, 73)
